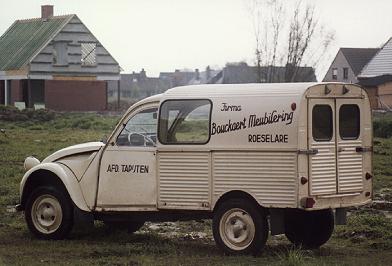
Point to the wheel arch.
(55, 175)
(234, 194)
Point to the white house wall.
(340, 62)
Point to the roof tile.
(24, 38)
(381, 63)
(358, 57)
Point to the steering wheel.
(146, 139)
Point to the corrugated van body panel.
(323, 168)
(269, 176)
(350, 167)
(184, 180)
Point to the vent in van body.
(323, 169)
(269, 176)
(184, 180)
(350, 172)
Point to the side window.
(349, 121)
(322, 122)
(88, 54)
(60, 53)
(185, 122)
(334, 73)
(140, 130)
(345, 73)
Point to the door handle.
(363, 149)
(308, 152)
(340, 149)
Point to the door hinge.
(363, 149)
(308, 152)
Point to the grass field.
(367, 239)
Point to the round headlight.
(30, 162)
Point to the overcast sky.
(164, 35)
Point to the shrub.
(382, 128)
(11, 113)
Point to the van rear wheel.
(309, 229)
(240, 227)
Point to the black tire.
(49, 213)
(309, 229)
(235, 219)
(131, 227)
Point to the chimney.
(143, 74)
(46, 11)
(208, 73)
(197, 74)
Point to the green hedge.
(382, 128)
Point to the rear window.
(322, 122)
(184, 122)
(349, 121)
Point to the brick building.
(56, 62)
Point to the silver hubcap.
(46, 214)
(237, 229)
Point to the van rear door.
(322, 143)
(349, 140)
(335, 144)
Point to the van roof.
(224, 90)
(259, 89)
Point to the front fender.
(67, 178)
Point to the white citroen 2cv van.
(285, 158)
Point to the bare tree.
(303, 42)
(267, 18)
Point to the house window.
(334, 73)
(345, 73)
(88, 54)
(60, 54)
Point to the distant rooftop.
(380, 64)
(358, 57)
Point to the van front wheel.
(49, 213)
(309, 229)
(240, 227)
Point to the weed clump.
(368, 226)
(293, 257)
(10, 113)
